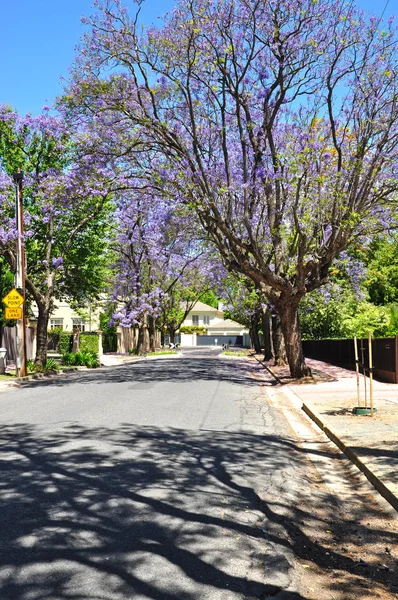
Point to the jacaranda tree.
(67, 194)
(162, 266)
(274, 122)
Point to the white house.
(66, 317)
(217, 330)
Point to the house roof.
(218, 323)
(223, 324)
(202, 307)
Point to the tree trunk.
(253, 330)
(255, 339)
(172, 335)
(280, 358)
(76, 341)
(141, 339)
(294, 347)
(152, 333)
(266, 327)
(42, 327)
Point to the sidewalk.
(370, 442)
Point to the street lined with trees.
(241, 153)
(242, 137)
(276, 126)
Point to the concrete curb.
(39, 376)
(374, 479)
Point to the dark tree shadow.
(182, 370)
(164, 514)
(120, 506)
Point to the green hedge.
(65, 342)
(61, 340)
(89, 342)
(192, 329)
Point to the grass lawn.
(235, 353)
(7, 377)
(162, 352)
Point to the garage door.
(219, 340)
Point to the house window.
(80, 323)
(206, 320)
(54, 323)
(195, 319)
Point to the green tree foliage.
(67, 198)
(366, 317)
(6, 284)
(321, 316)
(342, 316)
(342, 310)
(382, 284)
(210, 297)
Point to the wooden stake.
(357, 369)
(364, 373)
(370, 373)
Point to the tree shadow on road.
(158, 371)
(164, 514)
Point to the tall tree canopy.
(66, 196)
(163, 265)
(275, 122)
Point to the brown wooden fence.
(127, 339)
(8, 341)
(341, 352)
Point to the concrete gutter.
(383, 489)
(386, 489)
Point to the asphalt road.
(165, 479)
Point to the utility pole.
(20, 337)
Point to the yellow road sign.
(13, 299)
(13, 313)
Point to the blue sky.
(38, 38)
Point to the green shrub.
(89, 342)
(109, 342)
(53, 335)
(193, 329)
(51, 365)
(81, 359)
(65, 341)
(33, 367)
(367, 317)
(393, 320)
(91, 360)
(61, 340)
(68, 359)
